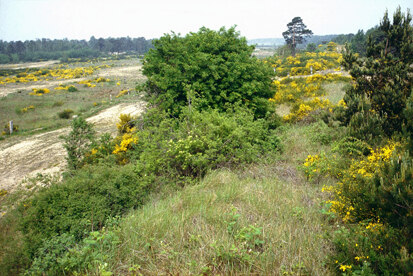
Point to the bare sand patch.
(128, 71)
(29, 65)
(44, 153)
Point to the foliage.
(383, 80)
(207, 69)
(78, 142)
(200, 141)
(63, 49)
(296, 33)
(61, 254)
(311, 47)
(126, 124)
(370, 248)
(65, 114)
(80, 204)
(374, 193)
(302, 63)
(72, 88)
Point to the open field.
(36, 147)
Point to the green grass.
(188, 232)
(334, 91)
(45, 115)
(85, 102)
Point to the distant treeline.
(63, 49)
(358, 41)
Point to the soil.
(29, 65)
(44, 153)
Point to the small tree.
(296, 33)
(77, 143)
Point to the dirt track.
(44, 153)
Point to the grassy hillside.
(262, 219)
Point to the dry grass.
(187, 233)
(335, 91)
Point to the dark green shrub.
(390, 193)
(384, 77)
(65, 114)
(80, 204)
(207, 69)
(370, 248)
(72, 89)
(62, 254)
(351, 147)
(4, 59)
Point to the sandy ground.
(4, 91)
(44, 153)
(130, 71)
(29, 65)
(114, 72)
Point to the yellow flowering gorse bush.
(349, 184)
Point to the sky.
(81, 19)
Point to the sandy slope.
(44, 153)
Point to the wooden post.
(11, 127)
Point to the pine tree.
(296, 33)
(382, 79)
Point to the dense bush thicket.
(200, 141)
(80, 204)
(207, 69)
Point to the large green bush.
(200, 141)
(207, 69)
(80, 204)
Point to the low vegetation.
(210, 180)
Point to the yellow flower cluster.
(62, 87)
(92, 83)
(345, 267)
(58, 73)
(27, 108)
(358, 170)
(304, 109)
(122, 92)
(301, 64)
(128, 139)
(124, 125)
(310, 160)
(39, 92)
